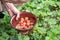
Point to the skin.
(0, 7)
(11, 9)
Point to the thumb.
(18, 16)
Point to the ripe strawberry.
(28, 21)
(31, 23)
(20, 23)
(22, 19)
(28, 24)
(26, 18)
(25, 27)
(24, 23)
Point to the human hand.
(11, 9)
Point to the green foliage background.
(47, 27)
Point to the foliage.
(47, 27)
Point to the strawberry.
(26, 18)
(22, 19)
(31, 23)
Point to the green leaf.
(36, 36)
(26, 38)
(20, 37)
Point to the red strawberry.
(22, 19)
(31, 23)
(26, 18)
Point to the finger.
(12, 8)
(8, 10)
(10, 13)
(18, 15)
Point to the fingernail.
(16, 18)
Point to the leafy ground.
(47, 27)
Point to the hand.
(12, 10)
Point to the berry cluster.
(25, 23)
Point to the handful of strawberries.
(25, 23)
